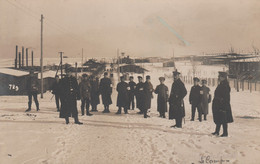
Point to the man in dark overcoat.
(122, 97)
(84, 90)
(106, 91)
(139, 94)
(69, 96)
(56, 92)
(221, 108)
(94, 94)
(132, 86)
(178, 92)
(195, 99)
(162, 98)
(32, 87)
(148, 91)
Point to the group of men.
(68, 91)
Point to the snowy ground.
(41, 137)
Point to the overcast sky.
(132, 26)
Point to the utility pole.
(61, 64)
(41, 56)
(82, 61)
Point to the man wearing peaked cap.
(85, 90)
(122, 97)
(195, 99)
(178, 92)
(139, 94)
(206, 98)
(105, 87)
(131, 92)
(148, 90)
(162, 91)
(221, 108)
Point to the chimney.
(16, 55)
(26, 57)
(19, 60)
(22, 56)
(32, 58)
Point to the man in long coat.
(94, 94)
(221, 108)
(85, 90)
(32, 87)
(139, 94)
(69, 96)
(148, 91)
(206, 99)
(122, 97)
(162, 98)
(195, 99)
(56, 92)
(106, 91)
(178, 92)
(132, 86)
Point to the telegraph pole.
(41, 56)
(82, 61)
(61, 64)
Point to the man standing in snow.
(132, 86)
(106, 91)
(32, 87)
(221, 108)
(178, 92)
(162, 91)
(94, 94)
(69, 96)
(84, 89)
(148, 91)
(206, 99)
(56, 92)
(195, 98)
(122, 97)
(139, 94)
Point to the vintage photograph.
(129, 82)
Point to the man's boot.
(225, 133)
(216, 130)
(77, 120)
(119, 110)
(29, 107)
(88, 113)
(205, 117)
(125, 110)
(82, 111)
(67, 120)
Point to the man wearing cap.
(148, 91)
(94, 93)
(85, 90)
(56, 92)
(195, 98)
(139, 94)
(132, 86)
(32, 87)
(221, 108)
(106, 91)
(162, 98)
(178, 92)
(122, 97)
(69, 96)
(205, 99)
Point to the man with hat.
(178, 92)
(56, 91)
(221, 108)
(139, 94)
(85, 90)
(94, 93)
(132, 86)
(162, 98)
(205, 99)
(148, 91)
(106, 91)
(122, 97)
(195, 98)
(69, 96)
(32, 87)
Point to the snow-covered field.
(42, 137)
